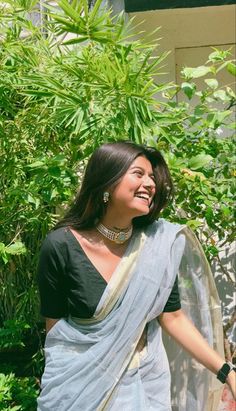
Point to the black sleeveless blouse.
(69, 284)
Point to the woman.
(108, 285)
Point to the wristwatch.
(225, 370)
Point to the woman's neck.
(116, 223)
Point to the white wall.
(190, 33)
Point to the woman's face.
(134, 194)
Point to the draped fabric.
(94, 364)
(200, 301)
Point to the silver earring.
(106, 196)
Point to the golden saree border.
(132, 361)
(115, 286)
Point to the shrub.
(18, 394)
(83, 79)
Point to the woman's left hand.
(231, 381)
(178, 326)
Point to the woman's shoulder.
(163, 223)
(165, 227)
(56, 238)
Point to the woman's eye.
(139, 173)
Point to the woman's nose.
(148, 182)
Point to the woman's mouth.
(145, 197)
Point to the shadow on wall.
(224, 273)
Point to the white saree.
(95, 364)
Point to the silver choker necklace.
(118, 236)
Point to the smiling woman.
(107, 273)
(133, 195)
(107, 168)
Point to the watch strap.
(225, 370)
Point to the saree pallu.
(193, 386)
(94, 364)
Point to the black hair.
(104, 170)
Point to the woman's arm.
(50, 322)
(178, 326)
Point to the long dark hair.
(105, 168)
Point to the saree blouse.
(69, 284)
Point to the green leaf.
(2, 247)
(212, 83)
(79, 120)
(76, 40)
(218, 55)
(31, 199)
(200, 161)
(231, 67)
(213, 250)
(189, 89)
(209, 214)
(196, 72)
(226, 210)
(232, 126)
(230, 92)
(194, 224)
(36, 164)
(221, 94)
(69, 10)
(199, 110)
(3, 253)
(17, 248)
(53, 194)
(95, 10)
(216, 119)
(54, 171)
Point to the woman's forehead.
(142, 162)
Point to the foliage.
(79, 80)
(21, 348)
(13, 249)
(199, 147)
(18, 394)
(12, 334)
(58, 103)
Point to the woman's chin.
(140, 212)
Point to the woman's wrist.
(226, 369)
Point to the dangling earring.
(106, 196)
